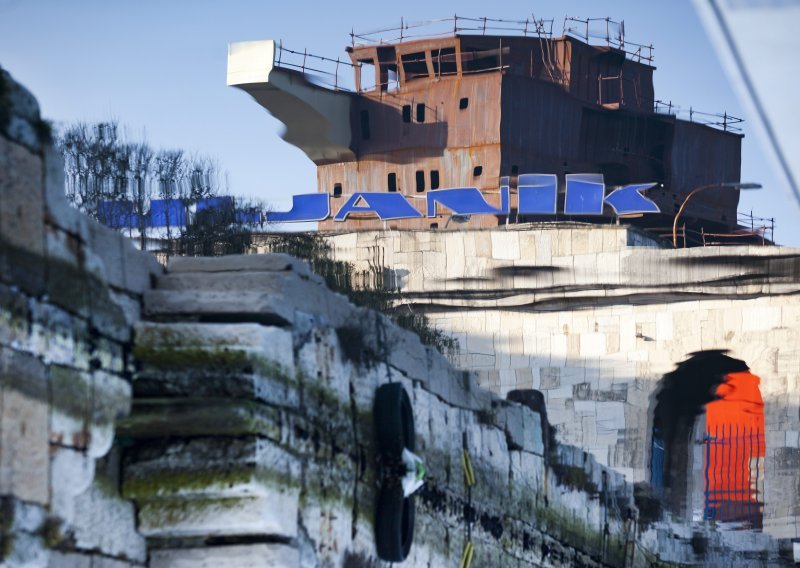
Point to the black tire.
(394, 524)
(394, 421)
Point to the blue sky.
(159, 68)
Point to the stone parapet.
(70, 292)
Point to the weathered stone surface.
(22, 242)
(238, 556)
(14, 317)
(21, 122)
(141, 269)
(68, 560)
(223, 306)
(283, 451)
(272, 297)
(273, 515)
(155, 418)
(234, 346)
(24, 471)
(71, 474)
(274, 262)
(111, 402)
(68, 283)
(71, 406)
(104, 521)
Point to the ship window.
(367, 75)
(337, 190)
(434, 179)
(434, 225)
(444, 61)
(421, 112)
(415, 65)
(474, 60)
(406, 113)
(463, 103)
(392, 181)
(388, 75)
(477, 171)
(420, 181)
(365, 125)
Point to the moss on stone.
(574, 477)
(171, 355)
(51, 533)
(175, 510)
(156, 418)
(174, 358)
(173, 483)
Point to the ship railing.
(724, 121)
(446, 27)
(599, 31)
(750, 230)
(318, 69)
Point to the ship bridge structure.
(485, 101)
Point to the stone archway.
(707, 443)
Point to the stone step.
(210, 467)
(273, 515)
(233, 556)
(267, 297)
(157, 418)
(274, 262)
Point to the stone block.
(71, 474)
(154, 418)
(70, 406)
(505, 245)
(274, 515)
(24, 550)
(14, 317)
(257, 306)
(64, 338)
(105, 523)
(22, 248)
(23, 119)
(141, 269)
(58, 212)
(68, 283)
(24, 471)
(222, 347)
(610, 417)
(105, 562)
(58, 559)
(104, 255)
(273, 262)
(235, 556)
(110, 403)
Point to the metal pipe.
(726, 185)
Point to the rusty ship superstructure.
(482, 100)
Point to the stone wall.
(595, 316)
(221, 414)
(70, 291)
(252, 436)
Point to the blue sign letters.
(537, 194)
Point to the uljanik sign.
(537, 194)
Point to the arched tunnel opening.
(707, 447)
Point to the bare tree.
(131, 187)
